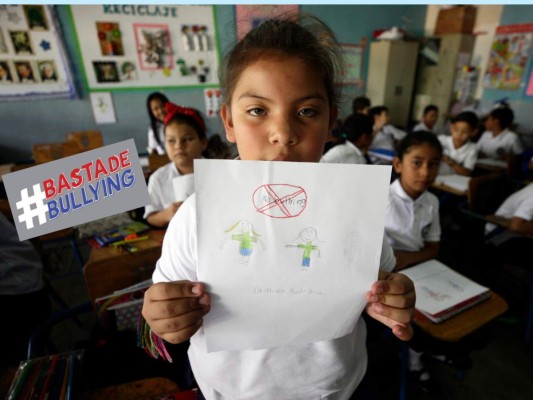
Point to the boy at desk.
(280, 103)
(498, 141)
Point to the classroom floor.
(502, 362)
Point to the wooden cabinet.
(391, 77)
(436, 80)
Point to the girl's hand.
(174, 310)
(391, 301)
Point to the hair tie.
(174, 109)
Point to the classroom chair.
(45, 152)
(155, 161)
(86, 140)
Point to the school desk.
(109, 268)
(150, 388)
(448, 189)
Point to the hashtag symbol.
(26, 203)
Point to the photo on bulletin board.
(249, 16)
(33, 61)
(529, 87)
(146, 46)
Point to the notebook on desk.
(441, 292)
(454, 181)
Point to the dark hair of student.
(355, 126)
(360, 103)
(153, 120)
(376, 110)
(418, 138)
(430, 107)
(469, 117)
(304, 37)
(503, 114)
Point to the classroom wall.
(27, 122)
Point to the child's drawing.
(352, 244)
(246, 237)
(277, 200)
(308, 235)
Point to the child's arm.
(174, 310)
(456, 167)
(163, 217)
(405, 259)
(391, 301)
(522, 226)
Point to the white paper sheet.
(183, 186)
(455, 181)
(103, 108)
(257, 221)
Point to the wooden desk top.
(149, 388)
(465, 322)
(445, 188)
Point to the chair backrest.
(487, 192)
(45, 152)
(86, 140)
(155, 161)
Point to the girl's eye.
(256, 112)
(307, 112)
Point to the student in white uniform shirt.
(429, 119)
(155, 104)
(460, 154)
(412, 224)
(386, 136)
(280, 104)
(185, 140)
(498, 141)
(355, 138)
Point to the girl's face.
(492, 124)
(279, 111)
(418, 168)
(157, 107)
(430, 118)
(183, 145)
(461, 133)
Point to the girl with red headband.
(185, 140)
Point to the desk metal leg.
(404, 366)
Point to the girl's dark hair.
(194, 119)
(355, 126)
(418, 138)
(503, 114)
(153, 120)
(376, 110)
(430, 107)
(308, 39)
(360, 103)
(467, 116)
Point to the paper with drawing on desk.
(287, 250)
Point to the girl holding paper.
(280, 103)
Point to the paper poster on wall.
(353, 58)
(213, 98)
(508, 56)
(139, 46)
(33, 62)
(103, 108)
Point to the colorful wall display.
(508, 56)
(249, 16)
(139, 46)
(33, 62)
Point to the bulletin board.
(508, 57)
(353, 59)
(33, 62)
(146, 46)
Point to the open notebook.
(441, 292)
(454, 181)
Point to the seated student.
(498, 141)
(386, 136)
(429, 119)
(185, 140)
(23, 296)
(355, 138)
(460, 155)
(155, 103)
(361, 105)
(412, 224)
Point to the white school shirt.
(519, 204)
(160, 188)
(409, 223)
(345, 153)
(328, 370)
(466, 155)
(423, 127)
(386, 136)
(152, 142)
(507, 142)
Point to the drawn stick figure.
(246, 237)
(308, 235)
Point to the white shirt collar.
(398, 190)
